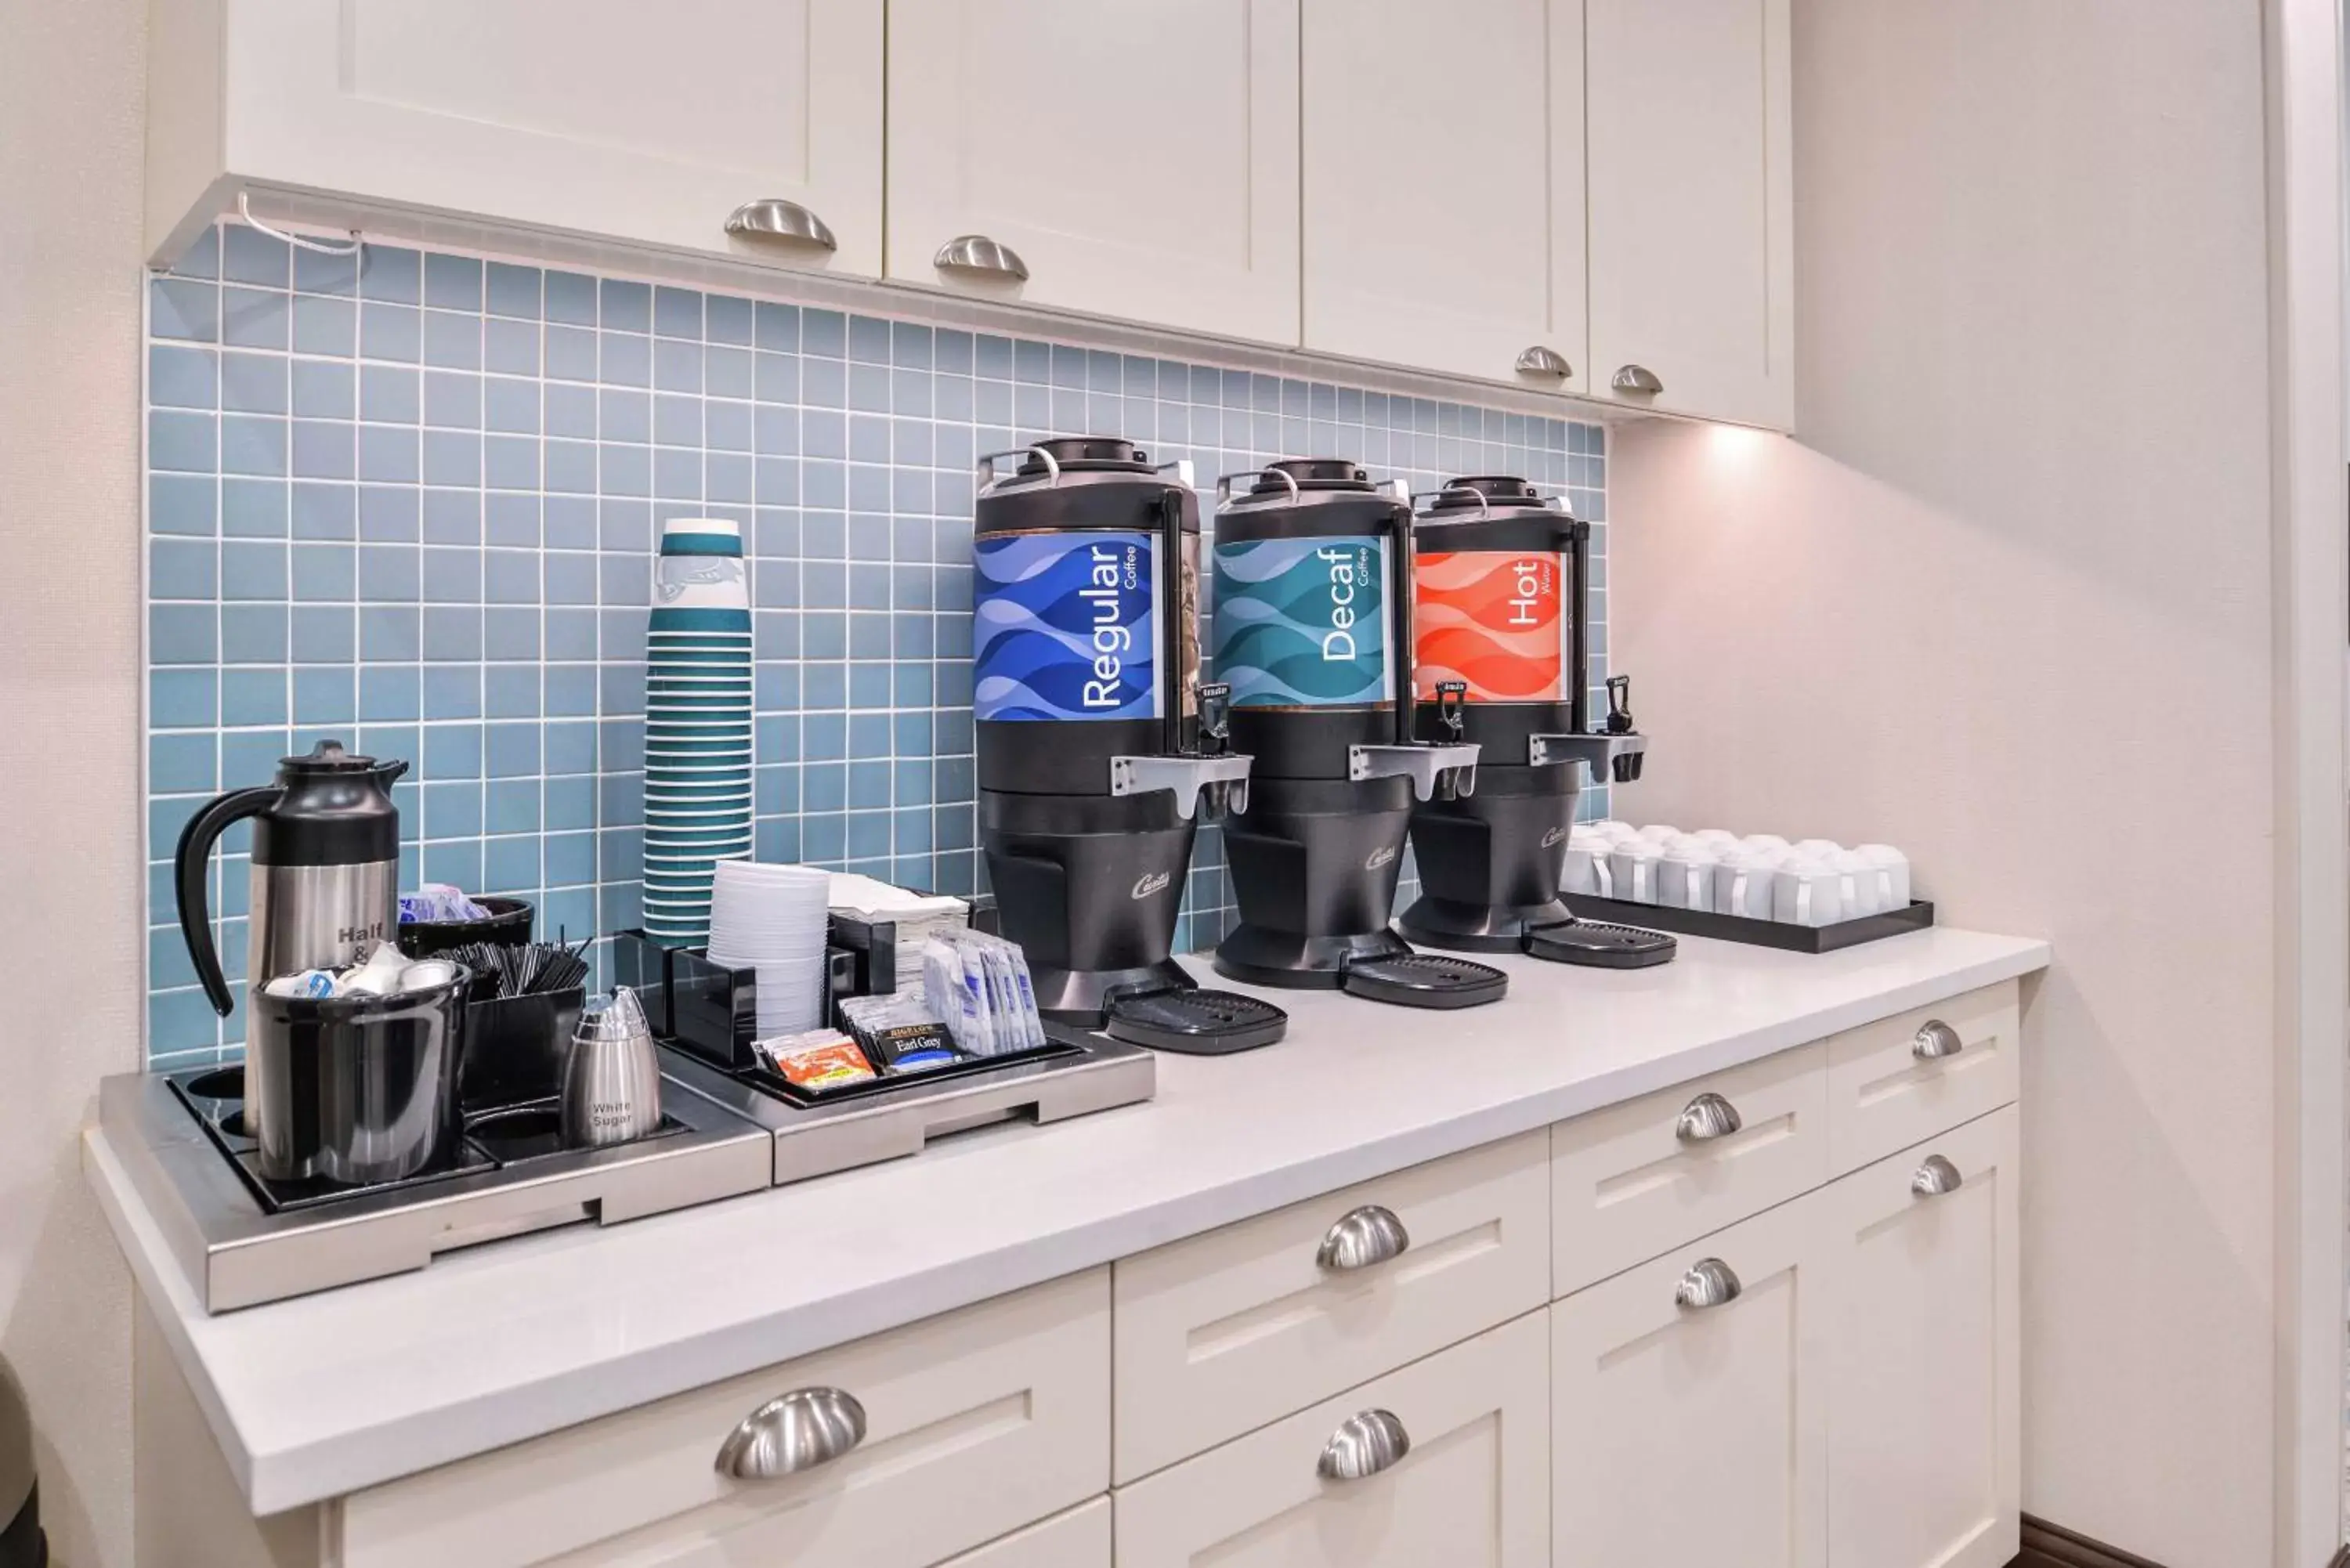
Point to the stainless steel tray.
(817, 1140)
(236, 1252)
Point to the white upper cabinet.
(1692, 288)
(608, 117)
(1136, 160)
(1443, 186)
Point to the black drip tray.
(1425, 980)
(509, 1134)
(1601, 944)
(1195, 1023)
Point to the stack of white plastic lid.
(774, 919)
(697, 723)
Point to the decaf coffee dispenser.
(1502, 654)
(1099, 751)
(1313, 618)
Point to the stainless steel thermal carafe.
(325, 881)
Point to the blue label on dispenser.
(1064, 626)
(1303, 622)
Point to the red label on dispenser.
(1495, 622)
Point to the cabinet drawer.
(1471, 1488)
(1222, 1333)
(1077, 1539)
(1637, 1181)
(977, 1423)
(1889, 1089)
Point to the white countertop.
(320, 1396)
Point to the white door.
(1922, 1413)
(1692, 1433)
(601, 116)
(1443, 186)
(1468, 1491)
(1692, 206)
(1134, 157)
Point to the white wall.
(2006, 603)
(71, 933)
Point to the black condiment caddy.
(710, 1011)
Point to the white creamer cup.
(1893, 874)
(1806, 891)
(1633, 869)
(1741, 883)
(1685, 876)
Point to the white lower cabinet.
(1923, 1418)
(1687, 1408)
(977, 1423)
(1469, 1493)
(1830, 1382)
(1077, 1539)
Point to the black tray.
(1756, 933)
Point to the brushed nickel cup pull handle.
(1637, 379)
(804, 1429)
(1934, 1041)
(1936, 1177)
(978, 254)
(1363, 1446)
(1709, 1283)
(1540, 360)
(1361, 1239)
(1706, 1118)
(773, 218)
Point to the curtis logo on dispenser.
(1380, 857)
(1152, 882)
(1552, 836)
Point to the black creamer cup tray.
(1756, 933)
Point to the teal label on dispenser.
(1302, 623)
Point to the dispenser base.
(1602, 944)
(1433, 922)
(1261, 956)
(1080, 998)
(1196, 1021)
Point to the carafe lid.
(1311, 473)
(328, 757)
(1495, 490)
(1083, 455)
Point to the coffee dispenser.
(1503, 653)
(1099, 751)
(1313, 634)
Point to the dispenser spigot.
(1624, 765)
(1215, 739)
(1453, 714)
(1215, 717)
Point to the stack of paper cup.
(774, 919)
(697, 724)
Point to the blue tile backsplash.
(411, 504)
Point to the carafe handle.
(194, 856)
